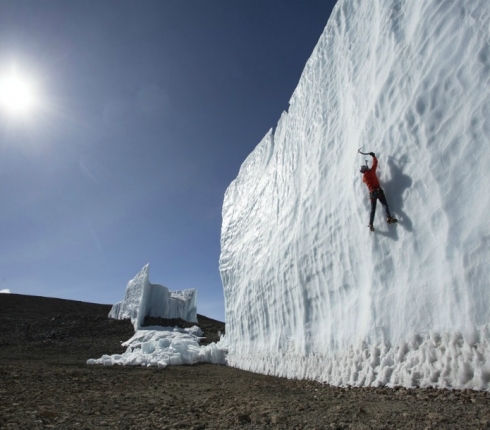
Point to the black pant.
(374, 196)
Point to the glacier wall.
(143, 298)
(309, 291)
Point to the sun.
(17, 95)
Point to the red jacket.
(369, 177)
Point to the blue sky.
(146, 111)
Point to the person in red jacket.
(375, 191)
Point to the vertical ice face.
(143, 299)
(310, 292)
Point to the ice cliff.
(309, 291)
(143, 299)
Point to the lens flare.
(17, 95)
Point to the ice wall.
(310, 292)
(143, 299)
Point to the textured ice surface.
(310, 292)
(143, 299)
(163, 346)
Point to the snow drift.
(309, 291)
(163, 346)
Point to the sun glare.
(16, 94)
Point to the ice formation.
(160, 346)
(143, 299)
(5, 291)
(309, 291)
(163, 346)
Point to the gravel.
(45, 383)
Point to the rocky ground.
(45, 383)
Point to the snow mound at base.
(163, 346)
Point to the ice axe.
(363, 153)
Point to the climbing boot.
(391, 220)
(371, 228)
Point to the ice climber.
(375, 191)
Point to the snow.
(5, 291)
(160, 346)
(143, 298)
(309, 291)
(163, 346)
